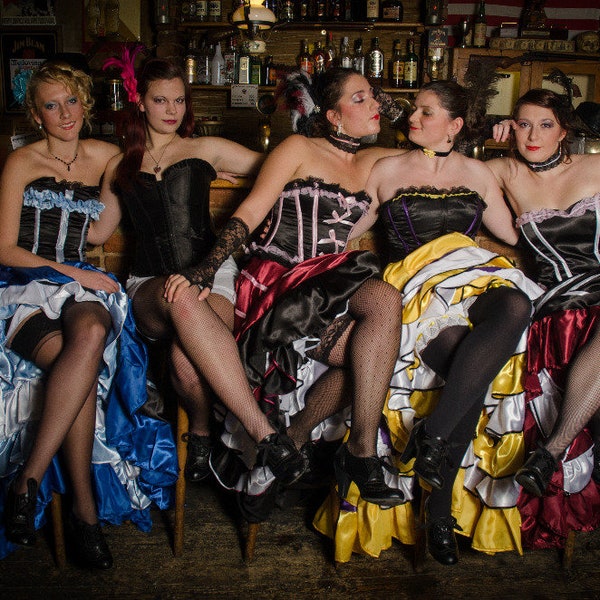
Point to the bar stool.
(180, 486)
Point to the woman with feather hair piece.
(465, 310)
(308, 311)
(555, 196)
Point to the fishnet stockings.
(581, 402)
(328, 395)
(368, 348)
(205, 342)
(72, 362)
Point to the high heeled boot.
(197, 465)
(430, 453)
(89, 547)
(19, 514)
(278, 452)
(536, 473)
(367, 475)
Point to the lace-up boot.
(278, 452)
(536, 473)
(20, 514)
(197, 465)
(441, 539)
(89, 547)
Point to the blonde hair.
(75, 80)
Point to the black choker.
(431, 153)
(344, 142)
(550, 163)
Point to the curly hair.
(79, 83)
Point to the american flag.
(575, 15)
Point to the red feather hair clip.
(127, 65)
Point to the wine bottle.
(372, 12)
(480, 27)
(358, 58)
(305, 59)
(396, 70)
(411, 67)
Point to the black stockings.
(469, 359)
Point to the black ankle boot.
(441, 539)
(19, 514)
(278, 452)
(197, 465)
(368, 477)
(430, 455)
(536, 473)
(89, 547)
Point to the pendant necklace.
(157, 168)
(67, 163)
(431, 153)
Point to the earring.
(339, 128)
(449, 140)
(40, 127)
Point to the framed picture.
(21, 53)
(27, 12)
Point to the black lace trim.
(537, 167)
(344, 142)
(232, 236)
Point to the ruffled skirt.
(439, 282)
(134, 460)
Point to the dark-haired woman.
(163, 179)
(465, 309)
(556, 197)
(61, 384)
(304, 304)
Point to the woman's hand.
(502, 130)
(95, 280)
(176, 285)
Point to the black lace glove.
(232, 236)
(390, 108)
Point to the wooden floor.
(291, 561)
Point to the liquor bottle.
(214, 10)
(434, 12)
(286, 11)
(480, 27)
(304, 60)
(318, 58)
(392, 10)
(204, 61)
(347, 10)
(375, 62)
(244, 67)
(411, 67)
(302, 10)
(231, 57)
(217, 67)
(320, 10)
(191, 62)
(255, 70)
(201, 10)
(329, 51)
(269, 72)
(358, 58)
(372, 12)
(334, 10)
(396, 71)
(345, 59)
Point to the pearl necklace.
(157, 168)
(67, 163)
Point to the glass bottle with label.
(318, 58)
(392, 10)
(396, 74)
(411, 67)
(372, 13)
(329, 51)
(201, 10)
(480, 27)
(204, 60)
(375, 62)
(231, 62)
(358, 58)
(255, 69)
(286, 11)
(191, 62)
(269, 72)
(304, 60)
(302, 10)
(214, 10)
(244, 67)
